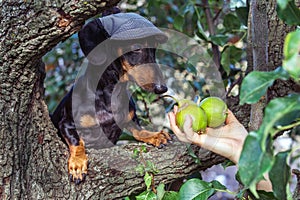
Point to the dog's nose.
(159, 89)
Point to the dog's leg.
(78, 160)
(157, 139)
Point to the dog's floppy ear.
(91, 35)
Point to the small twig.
(211, 30)
(287, 127)
(217, 15)
(236, 82)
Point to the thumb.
(187, 126)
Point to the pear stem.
(164, 96)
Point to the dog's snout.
(159, 89)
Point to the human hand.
(226, 140)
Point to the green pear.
(216, 111)
(188, 107)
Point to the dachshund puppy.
(120, 48)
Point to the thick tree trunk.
(258, 38)
(33, 160)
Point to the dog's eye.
(136, 47)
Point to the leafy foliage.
(288, 11)
(280, 114)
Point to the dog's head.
(131, 40)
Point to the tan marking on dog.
(87, 121)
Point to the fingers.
(187, 126)
(173, 125)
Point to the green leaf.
(135, 153)
(150, 167)
(230, 55)
(231, 22)
(195, 189)
(201, 33)
(254, 162)
(291, 62)
(225, 61)
(148, 180)
(263, 195)
(192, 154)
(242, 13)
(178, 22)
(256, 83)
(146, 195)
(280, 175)
(219, 39)
(143, 149)
(282, 4)
(288, 12)
(160, 191)
(217, 185)
(171, 195)
(140, 169)
(278, 109)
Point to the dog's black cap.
(131, 26)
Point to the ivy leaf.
(291, 62)
(160, 191)
(195, 189)
(256, 83)
(171, 195)
(146, 195)
(288, 12)
(254, 162)
(148, 180)
(280, 173)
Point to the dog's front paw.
(77, 167)
(158, 139)
(78, 163)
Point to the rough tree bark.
(258, 39)
(32, 157)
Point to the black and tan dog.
(97, 108)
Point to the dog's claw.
(83, 176)
(77, 181)
(71, 177)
